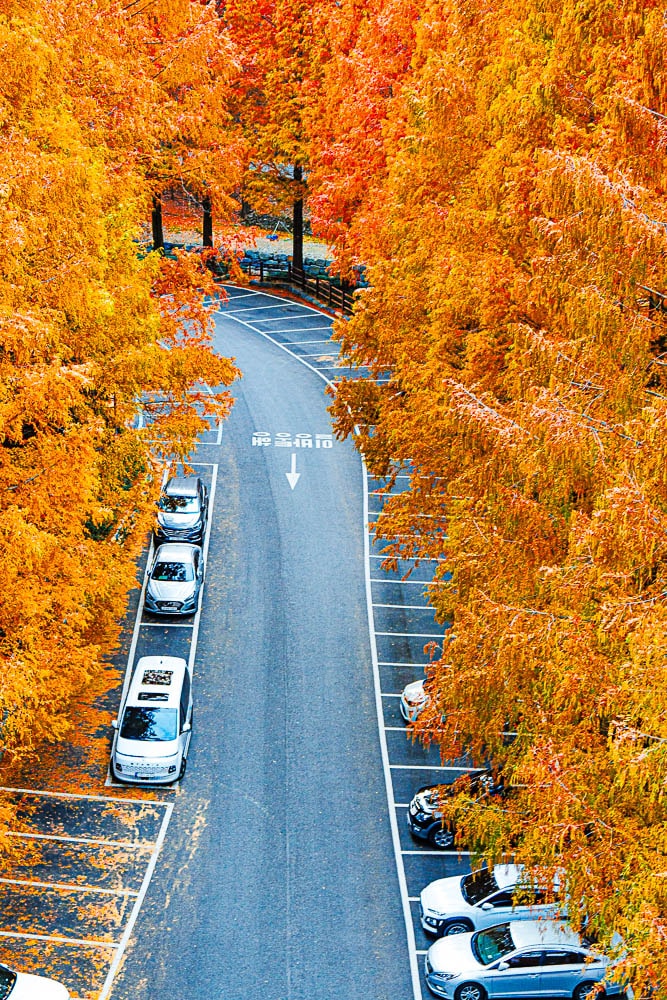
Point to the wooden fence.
(322, 289)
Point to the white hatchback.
(414, 700)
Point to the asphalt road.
(277, 878)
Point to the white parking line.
(390, 694)
(58, 940)
(129, 927)
(79, 840)
(80, 795)
(431, 767)
(167, 625)
(65, 887)
(417, 635)
(298, 329)
(396, 729)
(406, 607)
(421, 559)
(282, 305)
(393, 822)
(437, 854)
(401, 663)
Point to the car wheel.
(586, 990)
(441, 838)
(457, 927)
(184, 764)
(470, 991)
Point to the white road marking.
(390, 694)
(395, 729)
(417, 635)
(58, 940)
(410, 583)
(230, 312)
(406, 607)
(401, 805)
(65, 887)
(79, 840)
(298, 329)
(393, 822)
(430, 767)
(81, 795)
(167, 625)
(129, 927)
(402, 663)
(437, 854)
(421, 559)
(293, 476)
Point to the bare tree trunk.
(156, 223)
(207, 223)
(297, 226)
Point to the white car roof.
(548, 933)
(178, 552)
(507, 875)
(153, 678)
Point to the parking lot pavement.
(403, 624)
(74, 892)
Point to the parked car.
(24, 986)
(152, 735)
(413, 700)
(426, 820)
(175, 579)
(182, 510)
(482, 898)
(525, 958)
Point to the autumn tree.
(516, 250)
(87, 328)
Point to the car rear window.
(149, 723)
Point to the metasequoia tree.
(516, 253)
(283, 48)
(86, 329)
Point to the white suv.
(152, 735)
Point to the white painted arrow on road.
(293, 476)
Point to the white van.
(152, 735)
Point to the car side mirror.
(502, 966)
(486, 906)
(114, 723)
(187, 726)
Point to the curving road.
(277, 879)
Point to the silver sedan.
(526, 958)
(175, 579)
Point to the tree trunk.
(156, 223)
(207, 224)
(297, 226)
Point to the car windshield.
(7, 980)
(493, 943)
(179, 505)
(478, 885)
(173, 572)
(149, 723)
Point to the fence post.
(330, 287)
(317, 287)
(261, 271)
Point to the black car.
(426, 821)
(182, 511)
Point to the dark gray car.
(182, 510)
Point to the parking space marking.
(298, 329)
(431, 767)
(401, 663)
(391, 694)
(231, 312)
(77, 840)
(395, 729)
(58, 940)
(408, 583)
(167, 625)
(406, 607)
(416, 635)
(129, 927)
(77, 795)
(65, 887)
(440, 854)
